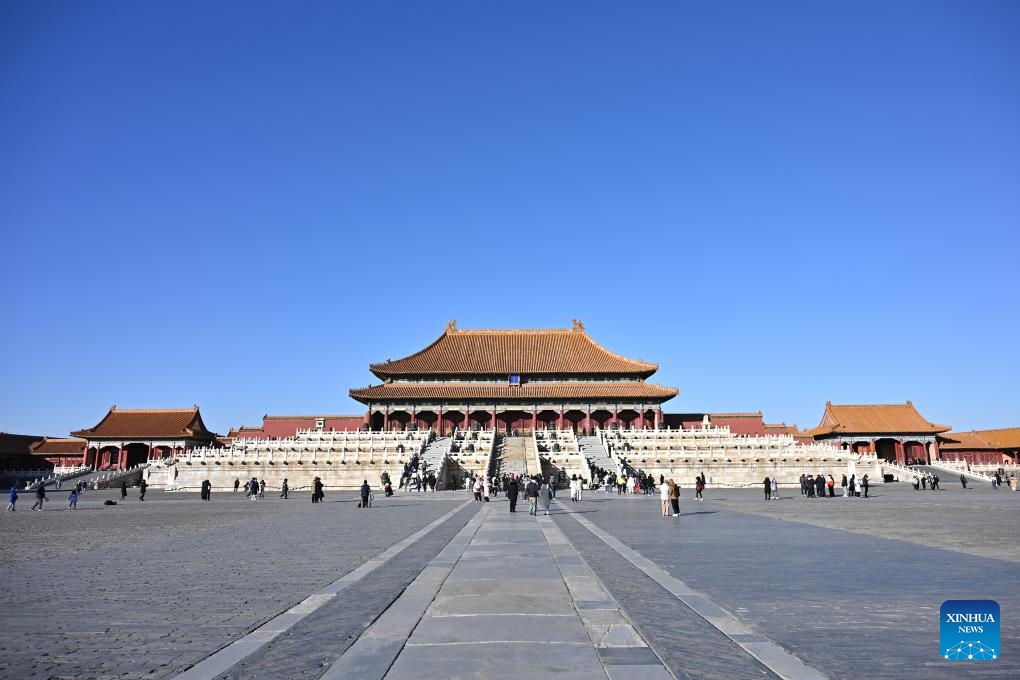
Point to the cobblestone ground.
(145, 589)
(852, 587)
(841, 599)
(976, 520)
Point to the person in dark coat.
(365, 491)
(511, 492)
(284, 489)
(237, 483)
(12, 498)
(820, 486)
(317, 490)
(40, 497)
(142, 486)
(865, 485)
(123, 490)
(768, 489)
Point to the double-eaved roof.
(552, 364)
(560, 351)
(166, 423)
(886, 419)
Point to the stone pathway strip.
(508, 590)
(222, 660)
(771, 655)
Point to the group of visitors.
(998, 479)
(669, 494)
(925, 481)
(535, 489)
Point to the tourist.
(315, 490)
(123, 490)
(486, 489)
(237, 483)
(511, 492)
(531, 493)
(575, 489)
(1012, 482)
(476, 489)
(934, 482)
(72, 500)
(366, 491)
(674, 497)
(775, 489)
(40, 497)
(142, 486)
(285, 489)
(12, 497)
(262, 488)
(843, 484)
(768, 489)
(864, 485)
(915, 482)
(253, 489)
(803, 486)
(552, 486)
(664, 497)
(924, 482)
(820, 486)
(621, 484)
(699, 487)
(852, 487)
(545, 494)
(963, 480)
(831, 484)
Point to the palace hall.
(513, 379)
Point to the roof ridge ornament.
(578, 326)
(451, 326)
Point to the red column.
(386, 419)
(534, 419)
(587, 420)
(658, 418)
(368, 417)
(494, 419)
(121, 458)
(901, 457)
(414, 416)
(934, 453)
(641, 417)
(616, 417)
(439, 423)
(559, 422)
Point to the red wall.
(288, 427)
(751, 424)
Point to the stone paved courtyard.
(734, 588)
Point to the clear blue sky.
(243, 204)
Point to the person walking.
(40, 497)
(262, 488)
(674, 498)
(284, 489)
(253, 489)
(486, 489)
(545, 495)
(852, 486)
(366, 492)
(843, 484)
(315, 489)
(775, 489)
(963, 481)
(511, 492)
(12, 498)
(768, 489)
(476, 489)
(552, 486)
(123, 491)
(575, 488)
(531, 493)
(237, 484)
(664, 497)
(142, 486)
(865, 485)
(72, 500)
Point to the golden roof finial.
(451, 325)
(578, 326)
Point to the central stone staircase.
(595, 452)
(513, 456)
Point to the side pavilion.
(894, 432)
(127, 437)
(513, 379)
